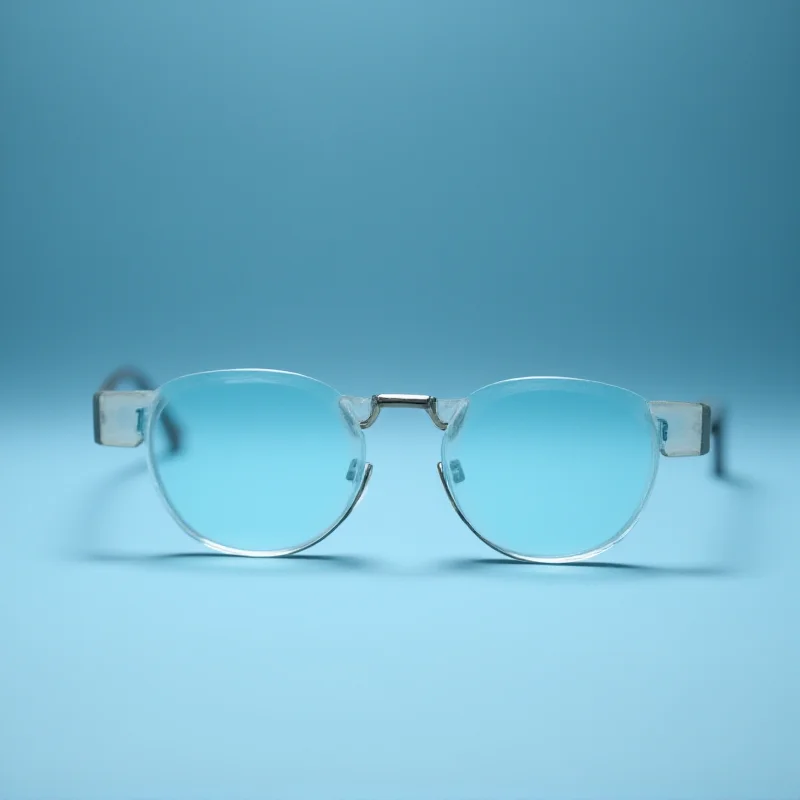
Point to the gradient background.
(399, 197)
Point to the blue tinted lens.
(551, 467)
(268, 461)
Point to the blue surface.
(399, 197)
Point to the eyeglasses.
(259, 462)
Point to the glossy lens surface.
(268, 461)
(551, 468)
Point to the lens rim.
(152, 421)
(573, 557)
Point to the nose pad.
(457, 475)
(352, 470)
(457, 471)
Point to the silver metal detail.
(423, 401)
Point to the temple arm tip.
(718, 441)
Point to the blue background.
(399, 197)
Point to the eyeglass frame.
(120, 420)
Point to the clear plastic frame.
(260, 462)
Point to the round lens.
(550, 468)
(268, 462)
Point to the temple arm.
(118, 414)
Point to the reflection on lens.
(551, 468)
(267, 462)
